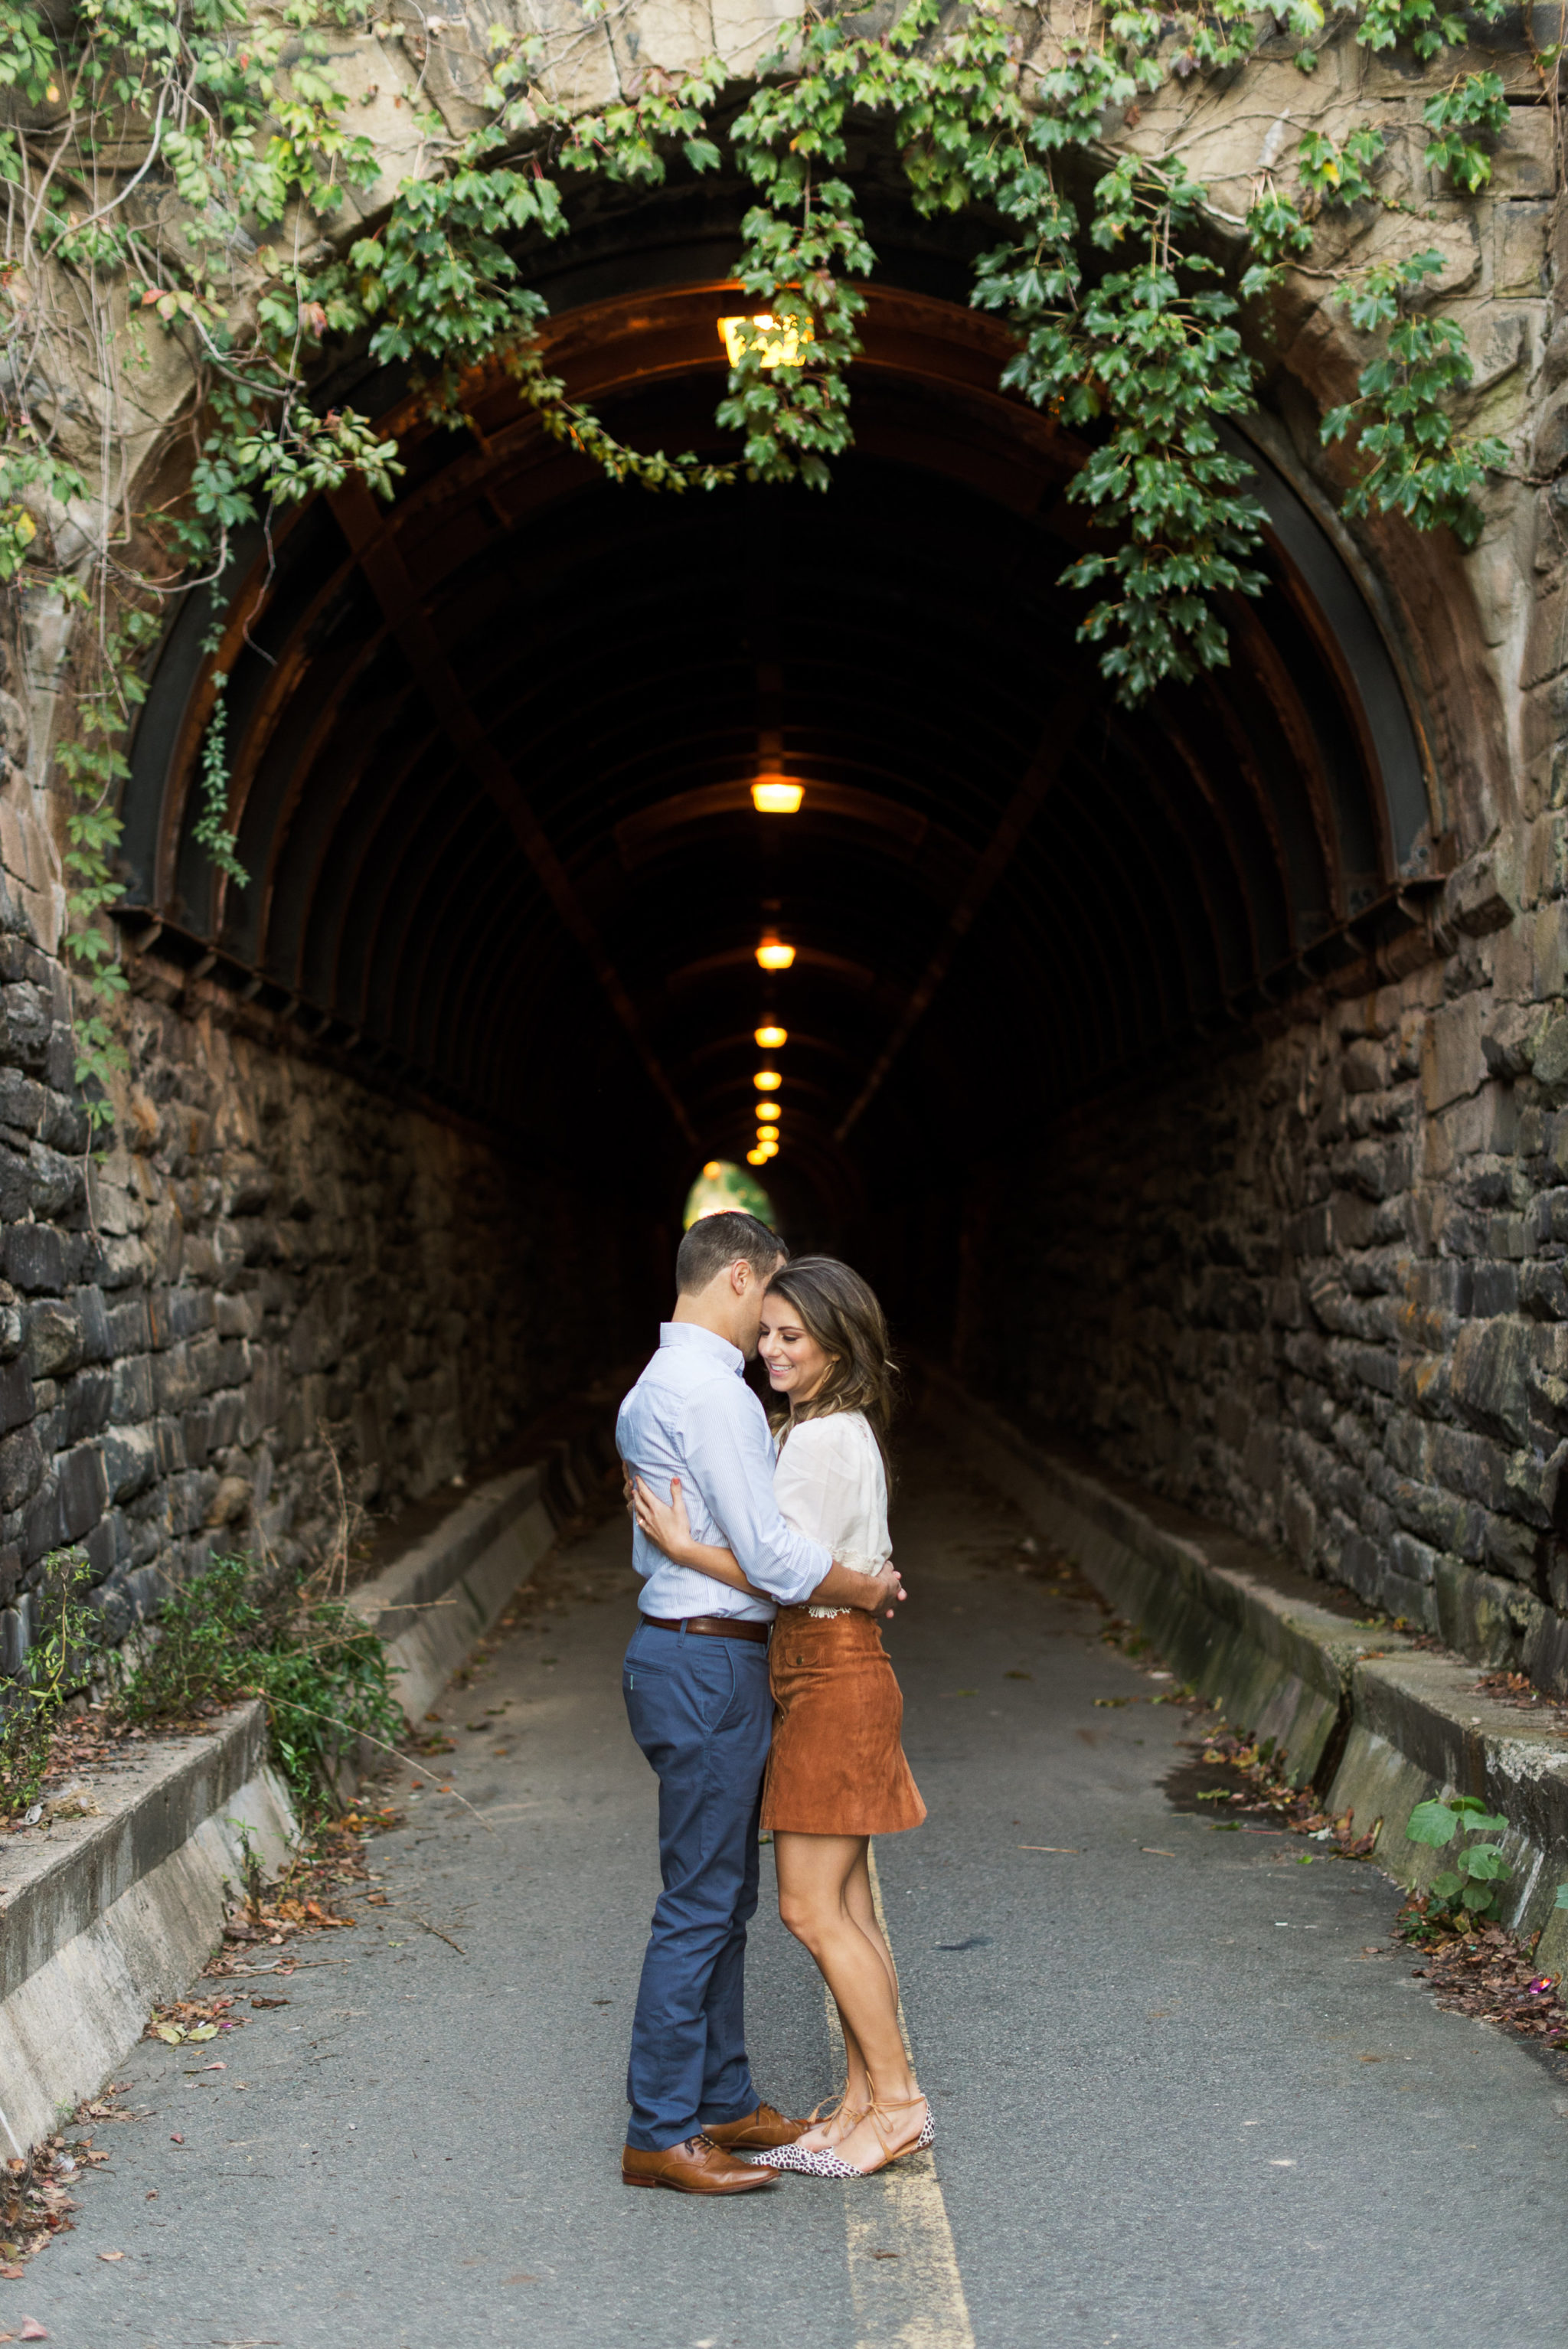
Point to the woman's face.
(796, 1364)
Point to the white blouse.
(830, 1486)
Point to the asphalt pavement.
(1187, 2095)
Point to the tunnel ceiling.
(491, 752)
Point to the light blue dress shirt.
(692, 1415)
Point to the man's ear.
(740, 1276)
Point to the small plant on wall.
(1467, 1893)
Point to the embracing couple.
(765, 1560)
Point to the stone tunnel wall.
(1317, 1288)
(269, 1256)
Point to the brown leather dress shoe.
(757, 2132)
(698, 2167)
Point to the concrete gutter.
(105, 1915)
(1375, 1724)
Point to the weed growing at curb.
(1466, 1894)
(321, 1671)
(54, 1666)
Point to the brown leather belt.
(711, 1627)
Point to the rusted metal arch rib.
(1274, 687)
(381, 563)
(373, 951)
(1098, 930)
(448, 957)
(275, 705)
(322, 788)
(1198, 775)
(1255, 793)
(1198, 881)
(1121, 852)
(466, 1010)
(1020, 814)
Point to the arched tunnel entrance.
(492, 760)
(1159, 1066)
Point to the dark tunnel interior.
(492, 753)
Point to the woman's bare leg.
(815, 1876)
(861, 1907)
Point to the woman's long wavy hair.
(836, 1307)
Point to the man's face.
(749, 1317)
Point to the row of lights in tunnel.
(771, 794)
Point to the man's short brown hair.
(716, 1241)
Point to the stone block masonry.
(269, 1257)
(1317, 1288)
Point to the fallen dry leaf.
(32, 2330)
(520, 2279)
(886, 2255)
(111, 2255)
(11, 2274)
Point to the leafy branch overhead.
(179, 175)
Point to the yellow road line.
(914, 2300)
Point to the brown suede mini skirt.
(836, 1767)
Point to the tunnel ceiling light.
(779, 339)
(769, 1149)
(774, 795)
(768, 1039)
(767, 1130)
(772, 953)
(767, 1080)
(757, 1157)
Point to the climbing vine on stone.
(178, 173)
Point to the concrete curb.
(1375, 1723)
(430, 1605)
(109, 1914)
(104, 1915)
(1236, 1623)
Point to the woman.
(836, 1772)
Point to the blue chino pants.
(700, 1710)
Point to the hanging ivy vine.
(177, 174)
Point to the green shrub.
(321, 1671)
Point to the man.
(696, 1685)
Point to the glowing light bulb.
(767, 1111)
(772, 953)
(767, 1133)
(768, 1039)
(757, 1157)
(767, 1080)
(769, 1149)
(712, 1171)
(771, 796)
(779, 340)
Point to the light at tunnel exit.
(723, 1188)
